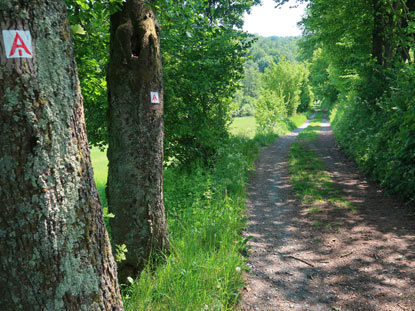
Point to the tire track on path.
(276, 281)
(295, 266)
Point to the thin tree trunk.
(378, 36)
(135, 177)
(384, 45)
(55, 251)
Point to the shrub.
(270, 110)
(381, 137)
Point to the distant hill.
(266, 49)
(263, 52)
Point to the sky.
(266, 20)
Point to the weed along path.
(322, 236)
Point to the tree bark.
(408, 9)
(55, 251)
(378, 36)
(384, 45)
(135, 153)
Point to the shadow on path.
(368, 263)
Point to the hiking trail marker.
(17, 43)
(155, 99)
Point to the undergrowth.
(311, 183)
(205, 214)
(380, 137)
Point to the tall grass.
(205, 213)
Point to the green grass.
(204, 208)
(100, 166)
(243, 126)
(311, 183)
(205, 212)
(311, 132)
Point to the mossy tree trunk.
(54, 248)
(135, 153)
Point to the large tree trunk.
(135, 177)
(55, 252)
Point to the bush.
(205, 213)
(306, 97)
(270, 110)
(204, 208)
(285, 79)
(381, 137)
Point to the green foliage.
(90, 26)
(284, 89)
(306, 96)
(264, 51)
(205, 213)
(270, 49)
(120, 251)
(361, 61)
(271, 110)
(319, 79)
(287, 79)
(381, 139)
(203, 55)
(245, 97)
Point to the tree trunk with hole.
(135, 153)
(55, 251)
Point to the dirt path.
(366, 263)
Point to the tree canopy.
(361, 55)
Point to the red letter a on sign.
(155, 97)
(18, 43)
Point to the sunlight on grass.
(244, 126)
(311, 132)
(100, 166)
(314, 209)
(311, 183)
(205, 213)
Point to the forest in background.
(264, 52)
(205, 58)
(361, 58)
(355, 59)
(214, 72)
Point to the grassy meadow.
(243, 126)
(205, 213)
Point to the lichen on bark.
(135, 177)
(55, 249)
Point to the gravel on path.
(366, 263)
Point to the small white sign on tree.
(17, 43)
(155, 99)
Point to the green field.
(244, 126)
(100, 165)
(241, 127)
(205, 213)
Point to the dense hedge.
(380, 137)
